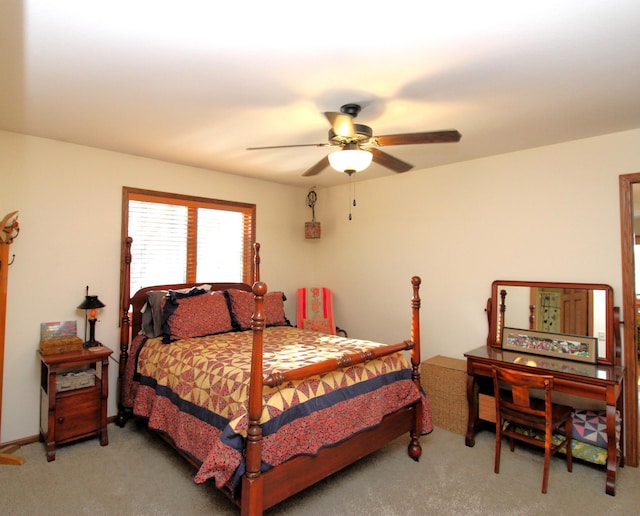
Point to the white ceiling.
(198, 81)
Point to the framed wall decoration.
(570, 347)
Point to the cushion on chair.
(315, 310)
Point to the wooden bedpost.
(125, 337)
(252, 481)
(256, 262)
(415, 449)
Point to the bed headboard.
(140, 297)
(131, 315)
(130, 327)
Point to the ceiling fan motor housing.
(351, 109)
(362, 134)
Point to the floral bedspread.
(197, 390)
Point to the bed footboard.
(262, 490)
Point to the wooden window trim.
(192, 203)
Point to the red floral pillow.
(274, 309)
(242, 306)
(197, 316)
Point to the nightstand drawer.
(71, 411)
(77, 414)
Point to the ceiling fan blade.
(389, 161)
(418, 138)
(318, 167)
(341, 123)
(288, 146)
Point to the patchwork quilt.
(197, 390)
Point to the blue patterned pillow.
(590, 426)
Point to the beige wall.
(69, 198)
(550, 213)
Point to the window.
(184, 239)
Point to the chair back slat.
(520, 385)
(521, 395)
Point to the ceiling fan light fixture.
(350, 160)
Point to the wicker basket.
(445, 381)
(75, 380)
(60, 345)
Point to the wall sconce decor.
(91, 304)
(9, 228)
(312, 229)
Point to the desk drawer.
(487, 407)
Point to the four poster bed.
(260, 407)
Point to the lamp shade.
(350, 160)
(91, 303)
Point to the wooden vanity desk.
(599, 379)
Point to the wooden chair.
(521, 417)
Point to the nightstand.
(72, 409)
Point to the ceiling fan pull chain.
(350, 203)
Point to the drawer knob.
(61, 420)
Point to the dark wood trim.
(629, 316)
(192, 201)
(4, 275)
(6, 452)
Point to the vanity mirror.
(578, 309)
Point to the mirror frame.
(613, 350)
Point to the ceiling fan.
(358, 146)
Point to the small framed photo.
(570, 347)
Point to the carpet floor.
(138, 474)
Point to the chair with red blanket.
(315, 310)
